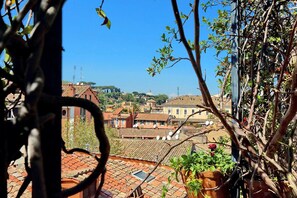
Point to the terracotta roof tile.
(17, 175)
(192, 101)
(107, 115)
(152, 150)
(184, 101)
(152, 117)
(72, 90)
(118, 179)
(122, 182)
(144, 133)
(117, 111)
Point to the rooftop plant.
(192, 164)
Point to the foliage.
(102, 14)
(197, 162)
(161, 98)
(81, 134)
(110, 95)
(128, 97)
(115, 144)
(31, 70)
(103, 100)
(258, 38)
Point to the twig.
(291, 112)
(170, 149)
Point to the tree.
(32, 68)
(103, 101)
(161, 98)
(81, 134)
(128, 97)
(268, 67)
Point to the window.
(64, 112)
(193, 111)
(90, 97)
(169, 112)
(206, 112)
(177, 111)
(82, 114)
(141, 175)
(185, 111)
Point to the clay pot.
(210, 179)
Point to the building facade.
(183, 106)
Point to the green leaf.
(102, 14)
(7, 57)
(108, 24)
(27, 30)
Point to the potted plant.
(204, 172)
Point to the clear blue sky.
(120, 56)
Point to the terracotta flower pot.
(210, 179)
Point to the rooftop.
(152, 117)
(153, 150)
(118, 179)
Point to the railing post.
(51, 64)
(235, 83)
(3, 148)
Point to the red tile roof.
(118, 111)
(107, 115)
(153, 150)
(17, 175)
(118, 179)
(184, 101)
(192, 101)
(152, 117)
(142, 133)
(78, 89)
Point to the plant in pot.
(205, 172)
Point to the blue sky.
(119, 56)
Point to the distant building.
(151, 121)
(150, 107)
(78, 91)
(183, 106)
(118, 119)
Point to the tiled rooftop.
(79, 89)
(118, 179)
(152, 117)
(17, 175)
(117, 111)
(184, 101)
(153, 150)
(192, 101)
(153, 133)
(107, 115)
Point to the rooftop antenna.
(81, 74)
(74, 68)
